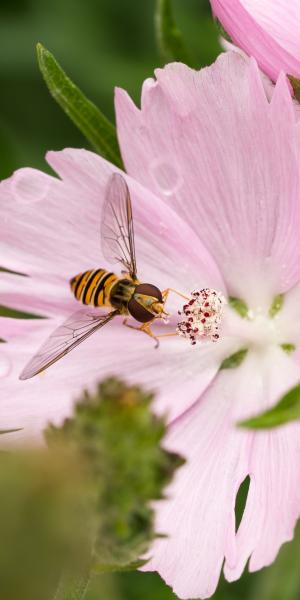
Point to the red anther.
(203, 320)
(206, 314)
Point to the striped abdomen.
(94, 287)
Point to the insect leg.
(145, 327)
(166, 293)
(166, 335)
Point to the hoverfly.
(98, 288)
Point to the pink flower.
(214, 176)
(265, 29)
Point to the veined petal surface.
(265, 29)
(214, 148)
(198, 513)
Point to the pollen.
(202, 316)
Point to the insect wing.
(117, 235)
(67, 336)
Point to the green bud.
(115, 432)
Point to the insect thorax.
(121, 293)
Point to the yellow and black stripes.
(94, 287)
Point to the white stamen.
(202, 316)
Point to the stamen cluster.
(202, 316)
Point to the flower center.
(259, 330)
(202, 316)
(262, 331)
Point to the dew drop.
(29, 186)
(162, 228)
(5, 365)
(166, 177)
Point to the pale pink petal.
(273, 504)
(265, 29)
(45, 232)
(63, 238)
(10, 328)
(220, 155)
(37, 295)
(267, 82)
(176, 372)
(168, 252)
(198, 516)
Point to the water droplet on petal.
(30, 186)
(5, 365)
(166, 177)
(162, 228)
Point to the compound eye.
(147, 289)
(138, 312)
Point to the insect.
(124, 295)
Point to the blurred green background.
(100, 44)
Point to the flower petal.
(176, 372)
(267, 30)
(9, 328)
(36, 295)
(64, 238)
(45, 224)
(165, 245)
(195, 140)
(198, 515)
(273, 504)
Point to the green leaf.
(5, 311)
(239, 306)
(234, 360)
(295, 83)
(3, 270)
(287, 409)
(87, 117)
(3, 431)
(115, 431)
(276, 305)
(169, 38)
